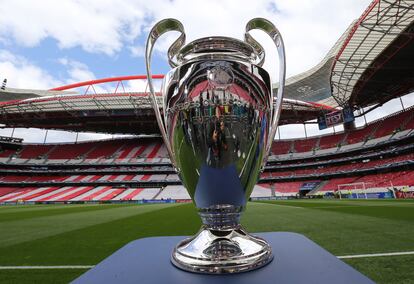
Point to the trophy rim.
(218, 45)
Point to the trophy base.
(221, 251)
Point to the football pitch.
(73, 235)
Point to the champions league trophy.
(219, 120)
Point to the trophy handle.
(159, 29)
(273, 32)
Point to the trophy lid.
(221, 48)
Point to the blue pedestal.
(296, 260)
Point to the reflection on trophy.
(218, 123)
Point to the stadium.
(64, 207)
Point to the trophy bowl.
(219, 117)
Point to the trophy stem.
(222, 245)
(221, 217)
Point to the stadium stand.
(147, 193)
(281, 147)
(128, 194)
(305, 145)
(173, 192)
(85, 182)
(394, 126)
(132, 169)
(330, 141)
(260, 191)
(34, 151)
(369, 65)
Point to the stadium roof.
(314, 84)
(117, 112)
(13, 94)
(371, 63)
(380, 41)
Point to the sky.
(49, 43)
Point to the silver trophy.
(218, 123)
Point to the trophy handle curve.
(159, 29)
(269, 28)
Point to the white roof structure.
(124, 113)
(106, 102)
(97, 102)
(12, 94)
(314, 84)
(332, 81)
(380, 24)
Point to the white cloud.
(76, 70)
(137, 51)
(22, 73)
(309, 27)
(142, 85)
(96, 26)
(80, 72)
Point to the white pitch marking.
(297, 207)
(376, 254)
(47, 267)
(274, 204)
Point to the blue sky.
(48, 43)
(67, 41)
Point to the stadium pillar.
(304, 127)
(44, 140)
(402, 104)
(393, 190)
(349, 125)
(13, 132)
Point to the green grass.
(86, 234)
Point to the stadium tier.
(113, 149)
(384, 130)
(138, 168)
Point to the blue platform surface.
(296, 260)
